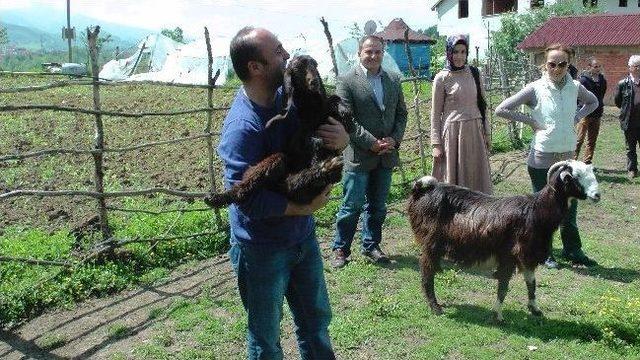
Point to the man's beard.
(276, 79)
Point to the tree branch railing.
(108, 113)
(106, 82)
(99, 146)
(105, 150)
(108, 243)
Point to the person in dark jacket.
(588, 127)
(627, 98)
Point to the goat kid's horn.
(564, 174)
(555, 167)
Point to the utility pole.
(69, 33)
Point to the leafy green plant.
(618, 317)
(118, 331)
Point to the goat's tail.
(422, 185)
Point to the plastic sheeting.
(169, 61)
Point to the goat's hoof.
(498, 319)
(535, 311)
(436, 310)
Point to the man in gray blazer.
(376, 99)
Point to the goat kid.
(470, 227)
(305, 168)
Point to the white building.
(477, 18)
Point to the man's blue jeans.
(267, 275)
(364, 192)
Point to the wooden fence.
(108, 242)
(494, 81)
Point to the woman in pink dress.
(459, 131)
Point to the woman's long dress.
(456, 124)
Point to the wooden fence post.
(416, 102)
(516, 142)
(211, 81)
(331, 52)
(92, 37)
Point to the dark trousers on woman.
(571, 243)
(587, 128)
(632, 138)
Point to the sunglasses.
(561, 65)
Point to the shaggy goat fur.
(470, 227)
(305, 168)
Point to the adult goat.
(471, 227)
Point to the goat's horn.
(553, 169)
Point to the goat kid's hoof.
(208, 200)
(535, 311)
(332, 164)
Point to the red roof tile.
(395, 32)
(586, 30)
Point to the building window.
(590, 3)
(495, 7)
(622, 3)
(463, 9)
(537, 4)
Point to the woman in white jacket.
(552, 101)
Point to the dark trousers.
(632, 138)
(569, 233)
(589, 128)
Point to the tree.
(355, 31)
(175, 34)
(431, 32)
(438, 54)
(515, 27)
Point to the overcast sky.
(286, 18)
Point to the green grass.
(379, 312)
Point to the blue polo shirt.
(245, 142)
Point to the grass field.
(379, 312)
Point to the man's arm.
(241, 147)
(617, 98)
(360, 136)
(333, 135)
(400, 123)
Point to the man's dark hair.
(369, 37)
(244, 48)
